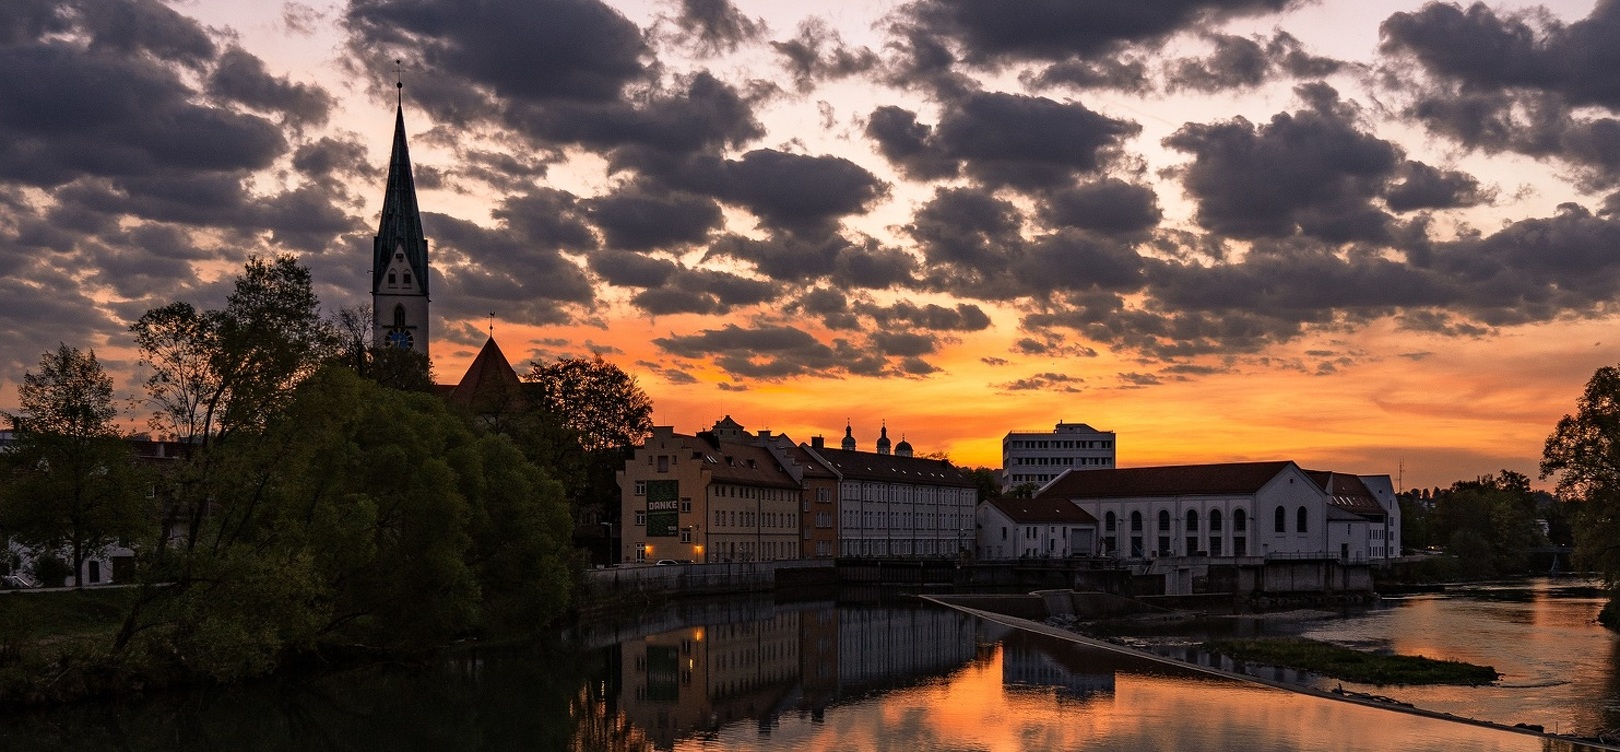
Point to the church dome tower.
(399, 262)
(902, 449)
(883, 440)
(849, 438)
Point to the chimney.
(818, 442)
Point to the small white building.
(1034, 528)
(1040, 456)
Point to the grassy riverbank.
(1352, 665)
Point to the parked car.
(671, 562)
(17, 581)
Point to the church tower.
(399, 263)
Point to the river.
(757, 675)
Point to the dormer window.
(407, 278)
(391, 278)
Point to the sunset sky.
(1369, 236)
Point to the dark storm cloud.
(546, 219)
(1055, 30)
(1240, 62)
(817, 53)
(518, 263)
(241, 77)
(805, 258)
(906, 143)
(701, 114)
(326, 156)
(1236, 62)
(70, 112)
(630, 269)
(557, 73)
(798, 192)
(703, 291)
(715, 26)
(1045, 382)
(965, 317)
(905, 344)
(1110, 206)
(1108, 73)
(1516, 82)
(1425, 187)
(773, 352)
(762, 352)
(1313, 171)
(967, 227)
(1004, 140)
(1077, 260)
(521, 50)
(635, 218)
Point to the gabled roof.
(813, 467)
(490, 385)
(1042, 510)
(1174, 480)
(1348, 492)
(893, 468)
(745, 464)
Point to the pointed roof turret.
(490, 385)
(400, 229)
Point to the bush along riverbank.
(1351, 665)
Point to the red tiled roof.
(1043, 510)
(1174, 480)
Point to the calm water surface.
(757, 675)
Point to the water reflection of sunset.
(973, 709)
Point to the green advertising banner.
(663, 508)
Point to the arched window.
(1109, 522)
(399, 315)
(1192, 520)
(1240, 521)
(1300, 525)
(1214, 520)
(1136, 522)
(1282, 520)
(1164, 519)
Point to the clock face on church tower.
(399, 338)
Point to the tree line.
(324, 501)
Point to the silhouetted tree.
(74, 483)
(1584, 453)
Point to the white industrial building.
(1245, 509)
(1040, 456)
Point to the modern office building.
(1040, 456)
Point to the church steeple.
(399, 265)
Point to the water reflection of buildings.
(1026, 663)
(694, 680)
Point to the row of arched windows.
(1240, 521)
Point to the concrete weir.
(1023, 611)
